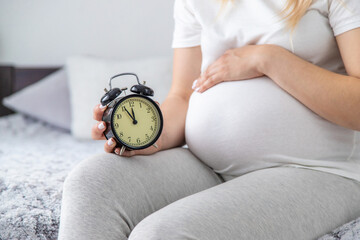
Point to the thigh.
(107, 195)
(274, 203)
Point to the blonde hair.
(293, 11)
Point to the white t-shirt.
(241, 126)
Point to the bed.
(35, 158)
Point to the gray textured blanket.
(34, 161)
(349, 231)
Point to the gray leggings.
(172, 195)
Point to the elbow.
(356, 120)
(353, 123)
(348, 120)
(357, 127)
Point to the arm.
(334, 97)
(186, 67)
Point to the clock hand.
(132, 110)
(129, 114)
(134, 122)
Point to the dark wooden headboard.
(13, 79)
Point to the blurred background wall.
(46, 32)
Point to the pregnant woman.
(266, 94)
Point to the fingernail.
(194, 84)
(117, 151)
(197, 89)
(101, 126)
(101, 106)
(110, 142)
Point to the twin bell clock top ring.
(134, 121)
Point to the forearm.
(186, 68)
(332, 96)
(174, 110)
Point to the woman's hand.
(97, 133)
(236, 64)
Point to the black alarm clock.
(134, 121)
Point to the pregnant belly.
(237, 127)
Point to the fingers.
(109, 145)
(97, 131)
(128, 153)
(215, 73)
(208, 82)
(98, 112)
(117, 151)
(209, 78)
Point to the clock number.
(129, 139)
(131, 103)
(147, 137)
(123, 108)
(153, 118)
(148, 110)
(151, 128)
(138, 140)
(140, 104)
(118, 116)
(116, 125)
(121, 134)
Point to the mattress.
(35, 158)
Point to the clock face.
(136, 121)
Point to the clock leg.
(122, 150)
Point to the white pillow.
(46, 100)
(88, 76)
